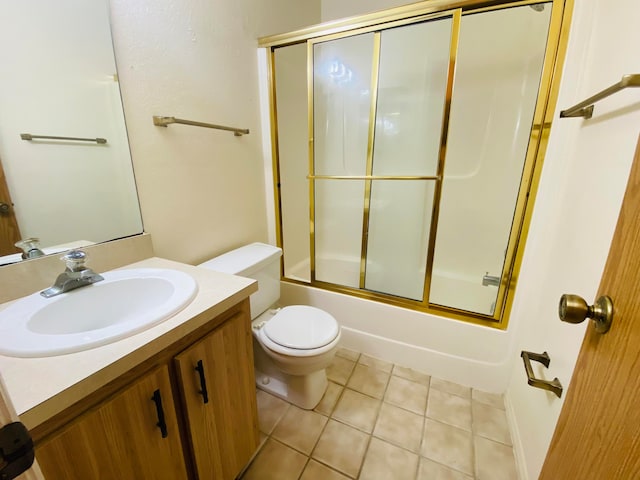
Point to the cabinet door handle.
(157, 399)
(203, 382)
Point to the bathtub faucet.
(490, 280)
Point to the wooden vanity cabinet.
(119, 437)
(219, 396)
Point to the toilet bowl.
(293, 345)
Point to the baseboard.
(516, 439)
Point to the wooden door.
(9, 231)
(223, 431)
(598, 434)
(120, 439)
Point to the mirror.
(58, 78)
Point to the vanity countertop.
(40, 388)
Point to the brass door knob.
(574, 309)
(4, 207)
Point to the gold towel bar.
(28, 136)
(164, 121)
(585, 109)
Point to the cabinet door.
(223, 426)
(120, 439)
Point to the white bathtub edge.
(485, 376)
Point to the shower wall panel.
(498, 72)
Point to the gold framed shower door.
(375, 23)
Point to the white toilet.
(292, 345)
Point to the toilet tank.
(258, 261)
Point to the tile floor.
(382, 421)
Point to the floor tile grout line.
(383, 398)
(423, 432)
(452, 424)
(347, 358)
(329, 418)
(343, 422)
(466, 397)
(449, 467)
(444, 464)
(492, 440)
(388, 375)
(477, 434)
(375, 422)
(275, 425)
(332, 468)
(325, 423)
(292, 448)
(381, 401)
(316, 441)
(335, 404)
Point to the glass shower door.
(378, 107)
(496, 87)
(412, 88)
(342, 76)
(405, 150)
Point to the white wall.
(582, 185)
(201, 191)
(334, 9)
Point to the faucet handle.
(75, 260)
(30, 247)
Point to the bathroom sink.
(124, 303)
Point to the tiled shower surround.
(382, 421)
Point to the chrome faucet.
(490, 280)
(30, 248)
(76, 275)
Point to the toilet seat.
(300, 330)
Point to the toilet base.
(304, 391)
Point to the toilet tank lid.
(244, 260)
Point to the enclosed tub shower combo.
(407, 146)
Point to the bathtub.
(457, 351)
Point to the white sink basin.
(124, 303)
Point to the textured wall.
(201, 191)
(334, 9)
